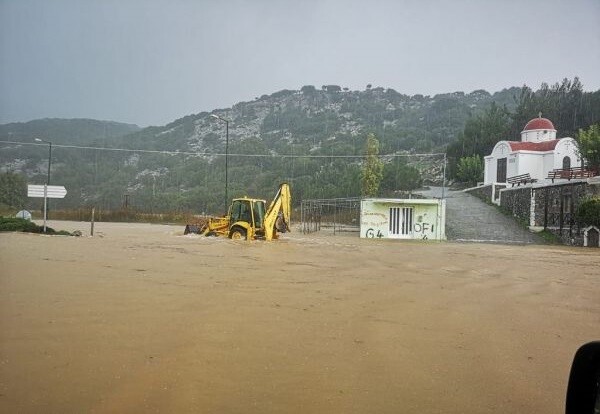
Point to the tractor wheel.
(237, 233)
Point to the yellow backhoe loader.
(247, 218)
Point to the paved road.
(470, 219)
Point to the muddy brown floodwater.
(143, 319)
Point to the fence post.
(545, 208)
(302, 215)
(334, 215)
(92, 223)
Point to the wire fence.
(337, 214)
(225, 154)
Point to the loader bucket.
(191, 228)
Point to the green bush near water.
(19, 224)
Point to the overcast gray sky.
(151, 62)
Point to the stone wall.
(517, 201)
(550, 207)
(571, 236)
(483, 192)
(551, 200)
(555, 206)
(486, 192)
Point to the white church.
(538, 153)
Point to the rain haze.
(151, 62)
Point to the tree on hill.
(589, 146)
(308, 89)
(398, 176)
(565, 104)
(13, 190)
(470, 170)
(372, 170)
(479, 136)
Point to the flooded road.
(143, 319)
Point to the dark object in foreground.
(583, 392)
(191, 229)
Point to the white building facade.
(538, 153)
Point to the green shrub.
(19, 224)
(470, 169)
(588, 212)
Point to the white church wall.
(512, 165)
(566, 147)
(548, 163)
(489, 172)
(501, 150)
(538, 135)
(531, 163)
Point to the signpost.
(46, 191)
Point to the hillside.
(321, 123)
(312, 117)
(31, 160)
(65, 131)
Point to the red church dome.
(539, 123)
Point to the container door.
(401, 222)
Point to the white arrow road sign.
(54, 191)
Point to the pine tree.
(589, 146)
(372, 170)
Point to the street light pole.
(47, 208)
(49, 157)
(226, 155)
(49, 162)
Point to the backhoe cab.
(248, 219)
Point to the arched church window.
(566, 163)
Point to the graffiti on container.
(374, 219)
(420, 230)
(370, 234)
(423, 227)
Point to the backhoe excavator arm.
(282, 203)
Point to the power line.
(217, 154)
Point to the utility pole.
(444, 178)
(226, 155)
